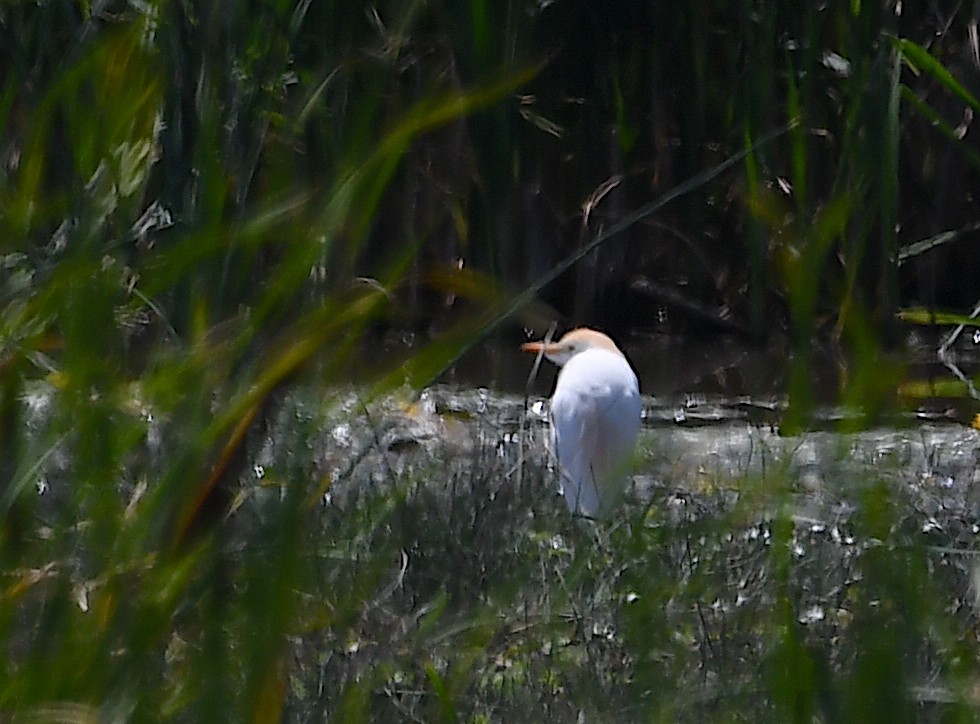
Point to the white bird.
(595, 418)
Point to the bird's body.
(595, 419)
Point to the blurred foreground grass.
(393, 561)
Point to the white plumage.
(595, 419)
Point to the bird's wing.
(595, 420)
(617, 429)
(574, 419)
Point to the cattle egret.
(595, 418)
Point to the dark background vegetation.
(211, 210)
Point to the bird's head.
(573, 343)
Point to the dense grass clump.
(450, 581)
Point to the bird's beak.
(541, 348)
